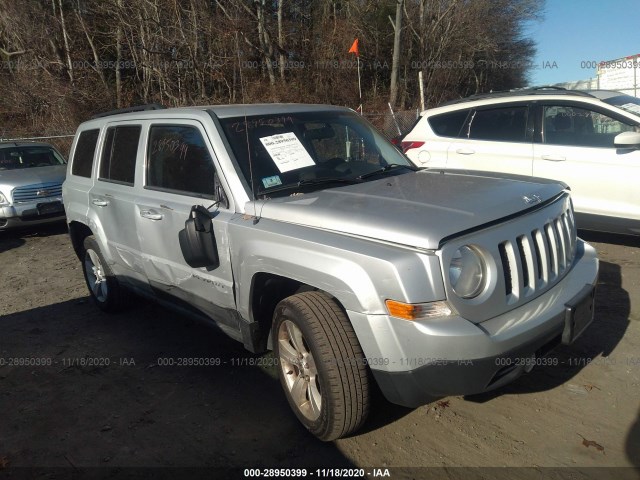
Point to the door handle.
(554, 158)
(151, 214)
(98, 202)
(465, 151)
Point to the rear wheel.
(103, 286)
(321, 365)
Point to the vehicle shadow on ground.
(625, 240)
(632, 445)
(612, 309)
(10, 239)
(146, 388)
(8, 242)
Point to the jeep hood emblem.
(530, 200)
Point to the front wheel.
(321, 365)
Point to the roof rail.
(546, 90)
(138, 108)
(542, 87)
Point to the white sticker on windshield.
(287, 152)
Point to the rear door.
(113, 200)
(496, 138)
(79, 179)
(576, 146)
(179, 172)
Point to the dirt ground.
(122, 409)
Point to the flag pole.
(356, 49)
(359, 85)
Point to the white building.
(621, 74)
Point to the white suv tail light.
(406, 146)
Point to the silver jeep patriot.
(300, 229)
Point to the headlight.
(467, 272)
(3, 200)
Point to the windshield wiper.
(386, 168)
(307, 182)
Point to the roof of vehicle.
(594, 97)
(523, 92)
(605, 94)
(222, 111)
(4, 144)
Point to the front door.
(179, 173)
(577, 148)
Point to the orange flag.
(354, 48)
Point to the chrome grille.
(36, 191)
(533, 261)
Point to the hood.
(415, 209)
(9, 179)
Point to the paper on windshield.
(287, 152)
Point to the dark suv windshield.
(13, 158)
(312, 150)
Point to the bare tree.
(397, 27)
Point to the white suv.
(588, 139)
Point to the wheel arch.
(78, 231)
(267, 290)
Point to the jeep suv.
(300, 229)
(587, 139)
(31, 176)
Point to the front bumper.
(415, 362)
(24, 215)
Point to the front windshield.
(305, 151)
(28, 157)
(625, 102)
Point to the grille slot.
(37, 191)
(506, 268)
(535, 261)
(526, 259)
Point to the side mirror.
(197, 240)
(627, 140)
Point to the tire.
(103, 286)
(321, 365)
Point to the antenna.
(246, 130)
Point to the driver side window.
(178, 160)
(580, 127)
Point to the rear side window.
(500, 124)
(179, 161)
(448, 124)
(118, 162)
(85, 151)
